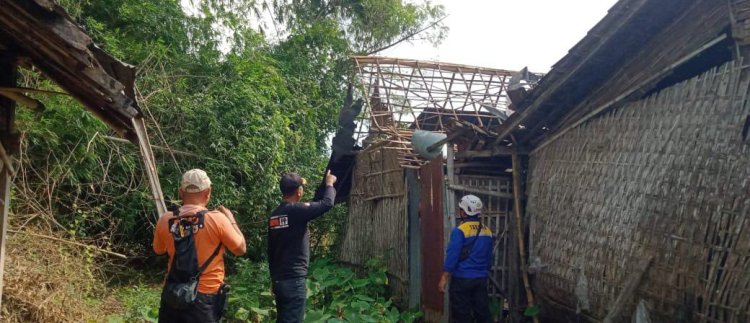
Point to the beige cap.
(194, 181)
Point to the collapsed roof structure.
(406, 95)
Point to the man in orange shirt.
(218, 230)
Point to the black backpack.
(181, 287)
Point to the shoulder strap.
(470, 246)
(203, 267)
(210, 259)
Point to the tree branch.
(405, 38)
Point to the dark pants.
(469, 300)
(291, 295)
(204, 310)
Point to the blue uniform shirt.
(480, 258)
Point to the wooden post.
(519, 227)
(149, 163)
(415, 239)
(5, 182)
(449, 207)
(449, 164)
(8, 74)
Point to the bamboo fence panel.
(665, 177)
(378, 224)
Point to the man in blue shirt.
(467, 265)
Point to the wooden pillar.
(518, 211)
(149, 163)
(415, 245)
(8, 75)
(450, 212)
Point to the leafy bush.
(141, 304)
(335, 294)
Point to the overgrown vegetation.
(213, 81)
(335, 294)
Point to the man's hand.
(227, 213)
(330, 179)
(443, 282)
(243, 246)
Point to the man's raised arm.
(315, 209)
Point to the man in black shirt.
(289, 244)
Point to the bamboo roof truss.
(405, 95)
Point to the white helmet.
(471, 204)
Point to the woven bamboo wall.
(668, 177)
(378, 223)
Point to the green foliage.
(141, 303)
(250, 298)
(335, 294)
(214, 86)
(367, 25)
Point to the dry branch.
(71, 242)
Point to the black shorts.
(204, 310)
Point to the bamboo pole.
(149, 163)
(519, 227)
(480, 191)
(629, 288)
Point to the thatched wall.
(668, 177)
(378, 223)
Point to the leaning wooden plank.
(147, 156)
(5, 184)
(8, 165)
(631, 285)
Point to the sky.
(509, 34)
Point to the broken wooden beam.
(20, 89)
(24, 100)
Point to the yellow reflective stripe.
(470, 229)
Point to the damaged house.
(621, 179)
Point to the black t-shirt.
(289, 238)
